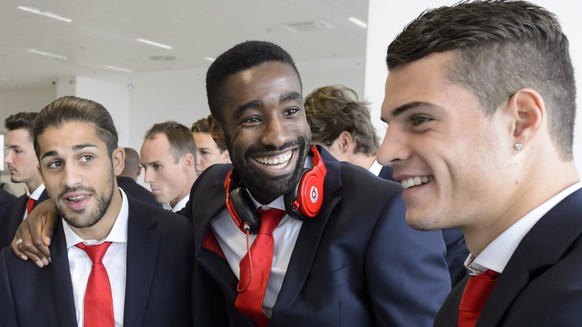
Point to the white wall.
(385, 21)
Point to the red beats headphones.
(303, 203)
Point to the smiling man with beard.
(147, 262)
(342, 254)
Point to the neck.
(528, 194)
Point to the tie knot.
(270, 218)
(95, 252)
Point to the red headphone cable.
(247, 229)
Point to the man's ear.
(118, 160)
(216, 131)
(189, 162)
(345, 141)
(529, 112)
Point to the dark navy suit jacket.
(357, 263)
(158, 282)
(139, 192)
(7, 204)
(9, 225)
(457, 251)
(541, 284)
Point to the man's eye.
(157, 167)
(291, 111)
(417, 120)
(86, 158)
(54, 164)
(251, 120)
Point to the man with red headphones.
(339, 253)
(343, 254)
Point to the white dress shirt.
(232, 241)
(496, 255)
(114, 261)
(181, 204)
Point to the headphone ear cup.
(307, 198)
(310, 193)
(239, 204)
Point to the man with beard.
(330, 245)
(143, 274)
(342, 253)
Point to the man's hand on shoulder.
(33, 236)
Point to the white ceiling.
(104, 32)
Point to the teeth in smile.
(76, 198)
(280, 160)
(414, 181)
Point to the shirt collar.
(117, 234)
(376, 168)
(181, 204)
(36, 194)
(496, 255)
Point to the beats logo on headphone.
(302, 203)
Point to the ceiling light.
(209, 58)
(45, 13)
(357, 22)
(4, 79)
(155, 44)
(119, 69)
(162, 58)
(47, 54)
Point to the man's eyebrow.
(77, 147)
(290, 96)
(249, 105)
(411, 105)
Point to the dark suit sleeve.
(407, 274)
(7, 305)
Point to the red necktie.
(98, 299)
(474, 297)
(254, 273)
(30, 204)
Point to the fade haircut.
(499, 48)
(179, 137)
(241, 57)
(21, 120)
(202, 126)
(73, 109)
(333, 109)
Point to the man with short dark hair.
(480, 103)
(340, 254)
(22, 164)
(168, 155)
(115, 260)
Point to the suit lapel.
(540, 249)
(61, 279)
(305, 247)
(142, 258)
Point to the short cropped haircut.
(179, 137)
(500, 47)
(202, 126)
(241, 57)
(21, 120)
(333, 109)
(73, 109)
